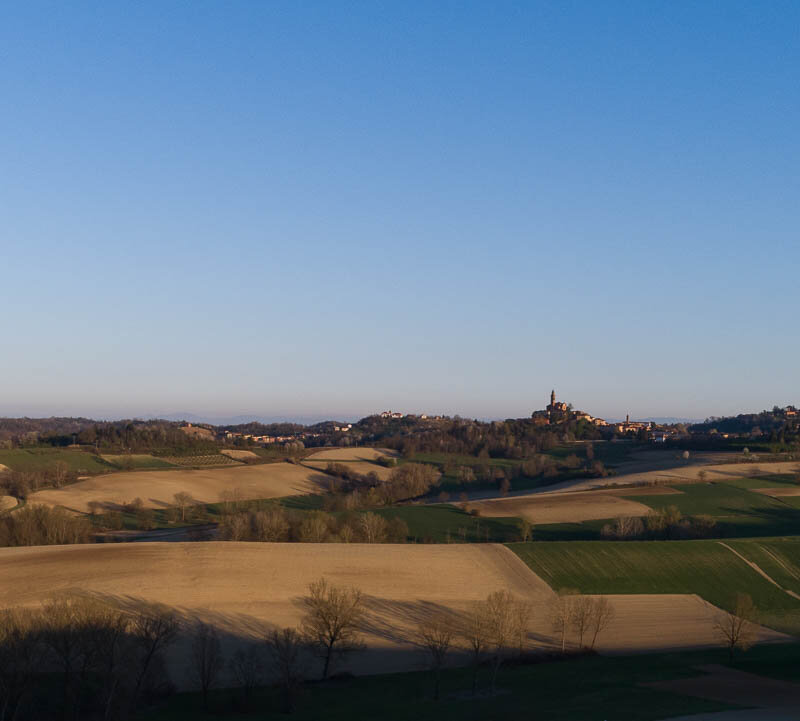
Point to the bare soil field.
(561, 507)
(779, 492)
(157, 488)
(3, 468)
(666, 621)
(7, 503)
(360, 460)
(239, 455)
(351, 454)
(245, 588)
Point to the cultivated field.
(42, 459)
(7, 502)
(157, 488)
(243, 588)
(135, 460)
(709, 569)
(360, 460)
(689, 473)
(560, 507)
(239, 455)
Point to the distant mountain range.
(240, 419)
(660, 420)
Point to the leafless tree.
(737, 629)
(286, 648)
(183, 500)
(525, 530)
(207, 660)
(21, 654)
(153, 630)
(372, 527)
(474, 635)
(580, 620)
(314, 527)
(332, 620)
(506, 623)
(601, 616)
(561, 611)
(435, 635)
(248, 669)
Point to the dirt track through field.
(157, 488)
(760, 571)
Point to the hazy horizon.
(308, 209)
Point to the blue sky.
(328, 209)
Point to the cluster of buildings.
(559, 412)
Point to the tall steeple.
(552, 398)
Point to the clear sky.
(334, 208)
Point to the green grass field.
(591, 688)
(43, 459)
(449, 524)
(135, 461)
(778, 558)
(705, 568)
(738, 511)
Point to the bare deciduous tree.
(737, 629)
(21, 654)
(286, 649)
(332, 620)
(600, 617)
(248, 670)
(153, 630)
(183, 500)
(474, 634)
(372, 527)
(207, 660)
(435, 636)
(561, 609)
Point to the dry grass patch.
(7, 503)
(157, 488)
(562, 507)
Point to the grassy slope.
(739, 512)
(135, 461)
(702, 567)
(778, 558)
(585, 689)
(41, 459)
